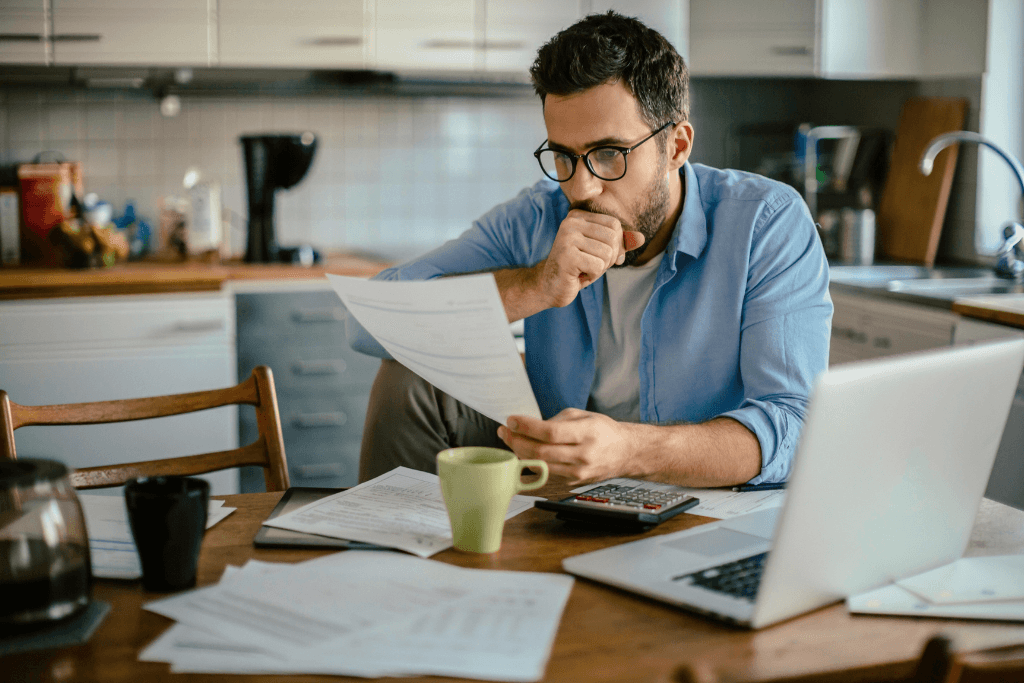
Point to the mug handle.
(543, 474)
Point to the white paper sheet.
(111, 547)
(368, 613)
(717, 503)
(452, 332)
(401, 509)
(894, 600)
(995, 578)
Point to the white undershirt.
(616, 389)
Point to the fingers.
(633, 239)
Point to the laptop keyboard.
(739, 579)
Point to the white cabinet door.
(670, 18)
(22, 32)
(104, 348)
(416, 36)
(870, 38)
(864, 327)
(516, 30)
(314, 33)
(752, 37)
(146, 32)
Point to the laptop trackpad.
(718, 541)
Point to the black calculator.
(625, 504)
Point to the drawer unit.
(322, 385)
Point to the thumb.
(633, 240)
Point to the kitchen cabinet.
(1006, 484)
(323, 386)
(515, 31)
(131, 32)
(857, 39)
(24, 32)
(109, 347)
(865, 327)
(409, 35)
(315, 34)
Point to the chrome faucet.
(1009, 263)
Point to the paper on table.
(971, 579)
(111, 547)
(452, 332)
(894, 600)
(717, 503)
(408, 617)
(400, 509)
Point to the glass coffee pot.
(45, 573)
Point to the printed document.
(452, 332)
(111, 547)
(400, 509)
(365, 613)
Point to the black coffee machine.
(271, 162)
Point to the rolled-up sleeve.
(785, 330)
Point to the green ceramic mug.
(477, 484)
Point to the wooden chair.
(258, 390)
(938, 664)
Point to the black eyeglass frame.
(624, 151)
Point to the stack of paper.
(365, 613)
(401, 509)
(111, 547)
(971, 588)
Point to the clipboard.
(294, 498)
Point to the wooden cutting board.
(913, 206)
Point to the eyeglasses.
(606, 162)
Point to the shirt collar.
(691, 232)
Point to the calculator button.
(651, 506)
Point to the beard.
(648, 212)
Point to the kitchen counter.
(160, 277)
(1004, 309)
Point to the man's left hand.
(579, 446)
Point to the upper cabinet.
(24, 32)
(855, 39)
(328, 34)
(131, 32)
(515, 31)
(417, 36)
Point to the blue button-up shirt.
(737, 325)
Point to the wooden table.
(605, 634)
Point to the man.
(675, 315)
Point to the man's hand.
(578, 445)
(587, 244)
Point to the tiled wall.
(400, 175)
(395, 173)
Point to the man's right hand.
(587, 245)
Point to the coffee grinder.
(271, 162)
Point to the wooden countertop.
(154, 278)
(1004, 309)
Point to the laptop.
(891, 466)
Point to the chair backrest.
(258, 391)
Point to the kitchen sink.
(882, 275)
(952, 288)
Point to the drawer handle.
(326, 469)
(209, 325)
(318, 315)
(315, 420)
(318, 367)
(791, 50)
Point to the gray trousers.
(409, 421)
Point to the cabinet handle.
(474, 45)
(791, 50)
(210, 325)
(326, 469)
(882, 343)
(318, 367)
(315, 420)
(77, 38)
(335, 41)
(21, 37)
(318, 315)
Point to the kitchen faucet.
(1008, 264)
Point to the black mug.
(168, 518)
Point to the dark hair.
(612, 47)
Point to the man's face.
(607, 115)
